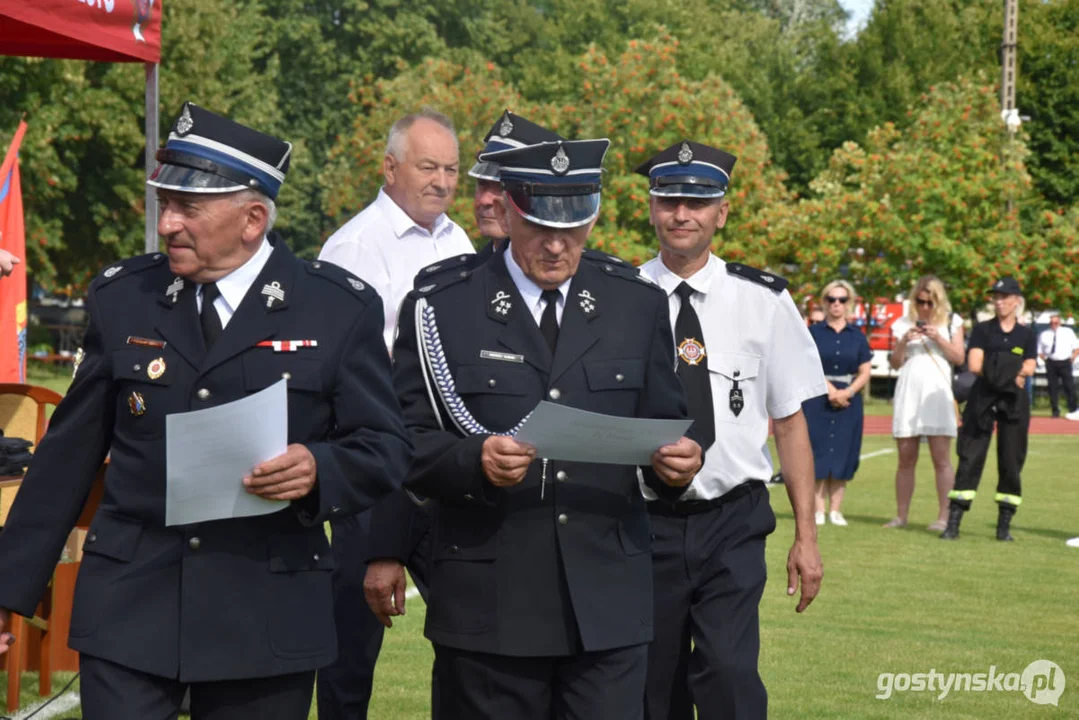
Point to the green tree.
(82, 158)
(928, 199)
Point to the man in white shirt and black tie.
(1058, 348)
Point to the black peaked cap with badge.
(688, 169)
(509, 131)
(555, 184)
(208, 153)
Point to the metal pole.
(1007, 59)
(151, 148)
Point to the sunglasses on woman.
(832, 299)
(924, 303)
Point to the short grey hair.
(397, 142)
(245, 196)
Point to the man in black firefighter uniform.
(238, 610)
(540, 586)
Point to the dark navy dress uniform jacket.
(515, 573)
(226, 599)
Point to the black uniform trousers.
(973, 448)
(344, 686)
(600, 685)
(1059, 373)
(113, 692)
(709, 574)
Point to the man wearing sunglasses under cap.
(744, 356)
(540, 587)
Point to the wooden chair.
(22, 414)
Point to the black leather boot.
(1004, 522)
(955, 516)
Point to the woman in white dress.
(930, 343)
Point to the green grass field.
(898, 601)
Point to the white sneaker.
(820, 517)
(836, 518)
(1073, 415)
(1074, 542)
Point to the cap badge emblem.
(113, 270)
(185, 123)
(356, 284)
(685, 155)
(560, 162)
(691, 351)
(502, 303)
(506, 127)
(273, 292)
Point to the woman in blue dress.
(835, 419)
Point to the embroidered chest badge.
(691, 351)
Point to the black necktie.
(1054, 348)
(694, 376)
(549, 319)
(208, 317)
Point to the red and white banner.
(104, 30)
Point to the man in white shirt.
(406, 228)
(744, 356)
(1058, 348)
(403, 230)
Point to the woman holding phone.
(930, 343)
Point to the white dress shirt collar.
(532, 293)
(700, 281)
(235, 285)
(400, 222)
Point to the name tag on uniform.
(507, 357)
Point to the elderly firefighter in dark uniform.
(540, 587)
(237, 610)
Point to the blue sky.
(859, 10)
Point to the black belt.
(681, 508)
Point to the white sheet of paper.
(559, 432)
(208, 453)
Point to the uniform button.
(463, 273)
(203, 394)
(194, 543)
(137, 368)
(619, 377)
(561, 476)
(335, 509)
(608, 268)
(555, 393)
(563, 519)
(316, 265)
(454, 549)
(468, 496)
(286, 375)
(315, 557)
(92, 537)
(492, 382)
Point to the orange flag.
(13, 287)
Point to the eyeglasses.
(832, 299)
(924, 303)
